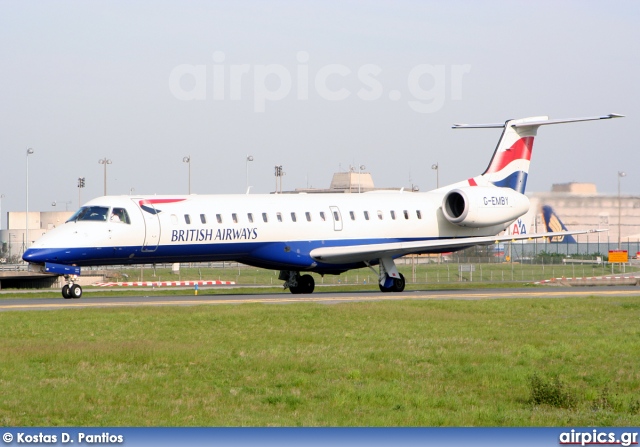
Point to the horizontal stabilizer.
(535, 123)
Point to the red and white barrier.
(591, 278)
(163, 283)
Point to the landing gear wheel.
(65, 292)
(75, 291)
(398, 284)
(306, 284)
(297, 283)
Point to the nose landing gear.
(71, 290)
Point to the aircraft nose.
(31, 255)
(39, 255)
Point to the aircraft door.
(337, 218)
(151, 225)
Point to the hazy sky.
(312, 86)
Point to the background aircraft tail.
(553, 223)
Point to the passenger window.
(379, 214)
(322, 216)
(393, 215)
(234, 217)
(406, 214)
(308, 215)
(279, 216)
(264, 217)
(419, 214)
(119, 215)
(293, 217)
(353, 215)
(203, 218)
(187, 219)
(336, 216)
(219, 218)
(250, 217)
(366, 215)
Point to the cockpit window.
(96, 213)
(120, 215)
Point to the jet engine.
(483, 206)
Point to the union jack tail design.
(509, 166)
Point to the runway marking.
(444, 295)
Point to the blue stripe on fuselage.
(270, 255)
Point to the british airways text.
(222, 234)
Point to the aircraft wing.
(368, 252)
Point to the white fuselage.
(267, 230)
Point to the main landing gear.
(397, 285)
(296, 282)
(71, 290)
(389, 278)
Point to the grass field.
(405, 363)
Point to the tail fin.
(553, 224)
(509, 166)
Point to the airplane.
(302, 233)
(553, 223)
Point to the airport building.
(13, 238)
(580, 206)
(348, 182)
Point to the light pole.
(620, 175)
(187, 160)
(436, 167)
(360, 169)
(80, 186)
(105, 161)
(279, 173)
(11, 238)
(26, 242)
(248, 159)
(2, 196)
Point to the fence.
(542, 253)
(509, 262)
